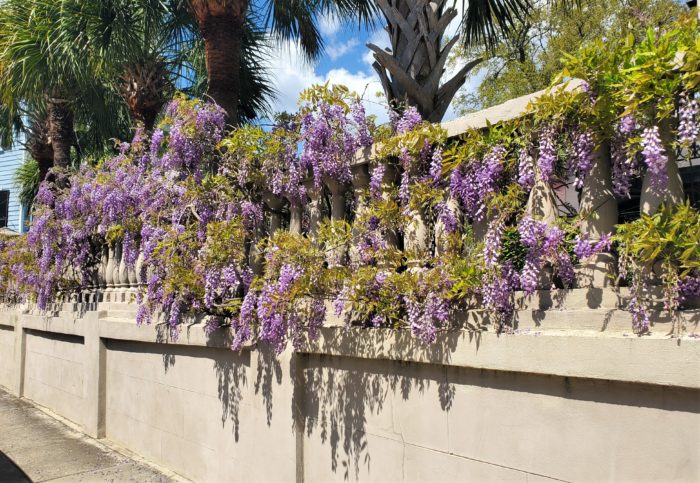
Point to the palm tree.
(222, 26)
(411, 70)
(38, 71)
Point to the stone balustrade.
(115, 281)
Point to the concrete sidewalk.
(44, 449)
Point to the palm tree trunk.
(37, 142)
(61, 131)
(221, 24)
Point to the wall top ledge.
(655, 359)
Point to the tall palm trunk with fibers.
(221, 23)
(37, 142)
(61, 130)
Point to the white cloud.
(336, 50)
(291, 75)
(329, 25)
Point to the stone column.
(314, 205)
(599, 203)
(651, 197)
(275, 204)
(337, 199)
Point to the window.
(4, 207)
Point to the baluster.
(275, 204)
(254, 255)
(117, 271)
(390, 179)
(295, 215)
(314, 205)
(338, 255)
(652, 197)
(102, 272)
(415, 238)
(138, 269)
(109, 271)
(598, 201)
(441, 233)
(360, 182)
(541, 205)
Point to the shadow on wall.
(342, 394)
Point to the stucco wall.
(210, 414)
(54, 373)
(7, 356)
(363, 405)
(376, 420)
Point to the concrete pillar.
(651, 198)
(95, 377)
(20, 351)
(314, 206)
(599, 203)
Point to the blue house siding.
(10, 160)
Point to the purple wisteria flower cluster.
(331, 136)
(545, 245)
(474, 181)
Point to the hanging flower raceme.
(547, 160)
(688, 127)
(545, 244)
(655, 158)
(473, 182)
(624, 164)
(331, 136)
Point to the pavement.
(36, 447)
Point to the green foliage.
(529, 57)
(27, 181)
(669, 236)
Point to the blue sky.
(346, 61)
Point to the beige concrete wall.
(377, 420)
(54, 373)
(7, 356)
(209, 414)
(373, 405)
